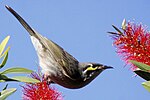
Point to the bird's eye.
(89, 65)
(89, 71)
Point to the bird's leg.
(47, 78)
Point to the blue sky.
(80, 27)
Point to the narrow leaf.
(117, 29)
(25, 79)
(4, 78)
(124, 24)
(6, 93)
(145, 75)
(140, 65)
(16, 70)
(146, 85)
(3, 44)
(5, 52)
(4, 60)
(5, 87)
(113, 33)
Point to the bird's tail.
(22, 21)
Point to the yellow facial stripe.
(91, 68)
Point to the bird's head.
(89, 71)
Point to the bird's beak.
(108, 67)
(105, 67)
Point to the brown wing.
(68, 63)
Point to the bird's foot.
(48, 79)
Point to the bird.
(58, 66)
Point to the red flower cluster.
(40, 91)
(133, 43)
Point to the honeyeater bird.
(59, 66)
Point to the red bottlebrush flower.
(40, 91)
(133, 43)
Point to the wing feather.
(68, 63)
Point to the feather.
(50, 54)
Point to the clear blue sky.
(80, 27)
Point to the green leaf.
(146, 85)
(5, 52)
(16, 70)
(4, 78)
(3, 44)
(145, 75)
(2, 81)
(140, 65)
(4, 60)
(6, 93)
(25, 79)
